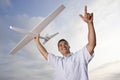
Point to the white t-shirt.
(72, 67)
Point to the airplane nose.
(11, 27)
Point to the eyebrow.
(64, 43)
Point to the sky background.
(28, 64)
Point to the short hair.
(61, 41)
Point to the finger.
(88, 15)
(91, 14)
(85, 9)
(34, 37)
(81, 16)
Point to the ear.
(69, 46)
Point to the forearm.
(91, 37)
(42, 50)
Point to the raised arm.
(88, 18)
(40, 47)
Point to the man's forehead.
(63, 42)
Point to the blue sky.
(28, 64)
(40, 7)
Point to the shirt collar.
(68, 55)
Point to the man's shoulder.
(54, 56)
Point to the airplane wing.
(42, 37)
(47, 20)
(21, 44)
(49, 37)
(37, 29)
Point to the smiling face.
(63, 47)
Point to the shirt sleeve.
(87, 56)
(84, 55)
(52, 59)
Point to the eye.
(60, 45)
(65, 43)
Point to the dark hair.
(61, 41)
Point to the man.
(72, 66)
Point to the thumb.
(36, 36)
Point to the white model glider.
(36, 30)
(46, 38)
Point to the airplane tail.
(51, 36)
(47, 38)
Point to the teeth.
(64, 49)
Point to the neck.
(66, 54)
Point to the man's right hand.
(36, 38)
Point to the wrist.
(37, 41)
(90, 23)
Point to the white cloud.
(108, 71)
(72, 28)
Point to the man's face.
(63, 47)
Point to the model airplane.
(46, 38)
(36, 30)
